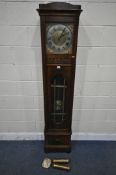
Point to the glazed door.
(59, 86)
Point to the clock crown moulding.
(59, 7)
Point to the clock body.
(59, 32)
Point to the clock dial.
(59, 38)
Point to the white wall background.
(21, 90)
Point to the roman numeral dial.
(59, 38)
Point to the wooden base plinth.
(57, 142)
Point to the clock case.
(58, 77)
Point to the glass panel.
(58, 86)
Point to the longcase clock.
(59, 33)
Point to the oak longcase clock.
(59, 31)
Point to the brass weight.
(54, 165)
(60, 160)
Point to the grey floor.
(87, 158)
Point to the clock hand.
(62, 33)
